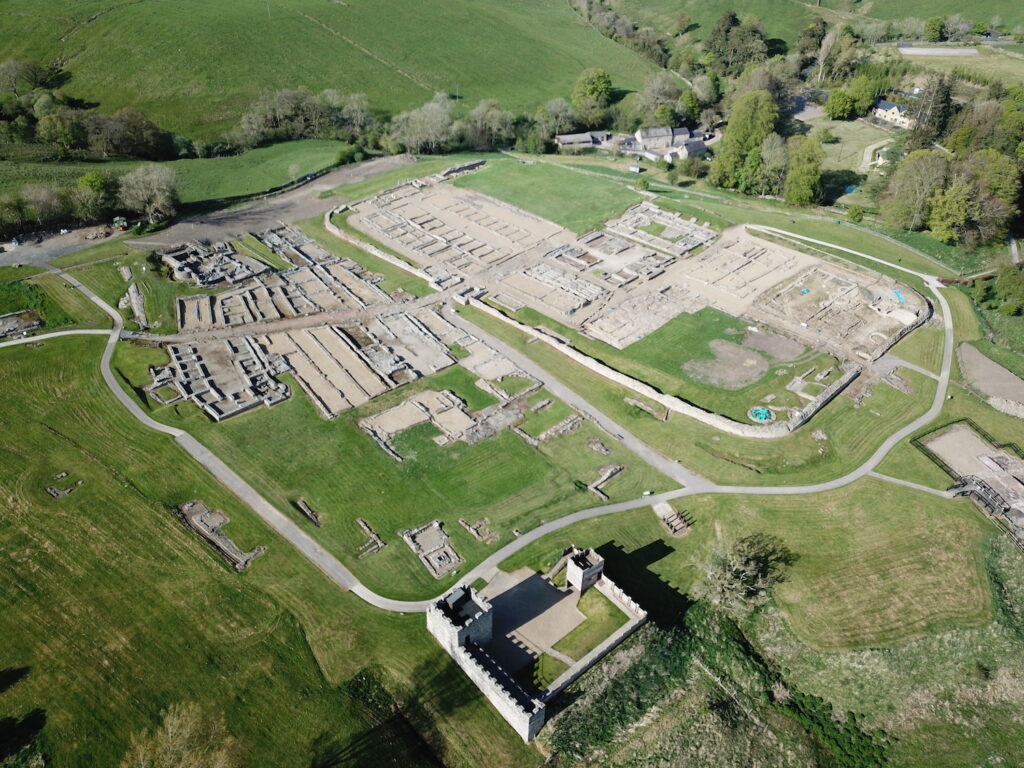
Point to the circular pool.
(761, 414)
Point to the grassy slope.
(577, 202)
(345, 475)
(522, 52)
(198, 178)
(992, 64)
(106, 591)
(159, 292)
(866, 574)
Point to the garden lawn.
(603, 618)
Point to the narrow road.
(694, 483)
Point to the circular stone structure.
(761, 415)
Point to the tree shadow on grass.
(835, 183)
(12, 676)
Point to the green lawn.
(659, 357)
(535, 423)
(852, 433)
(198, 178)
(345, 475)
(922, 347)
(603, 618)
(426, 165)
(106, 591)
(868, 574)
(9, 274)
(854, 137)
(250, 245)
(521, 53)
(159, 291)
(575, 201)
(58, 304)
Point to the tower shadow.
(665, 605)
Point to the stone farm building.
(660, 143)
(896, 114)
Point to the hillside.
(785, 19)
(194, 65)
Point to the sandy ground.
(988, 376)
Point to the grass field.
(575, 201)
(868, 574)
(10, 274)
(603, 618)
(923, 347)
(990, 63)
(106, 591)
(159, 292)
(522, 53)
(501, 478)
(659, 357)
(198, 178)
(424, 166)
(854, 137)
(59, 305)
(852, 433)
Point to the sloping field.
(112, 610)
(195, 65)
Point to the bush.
(856, 214)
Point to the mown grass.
(424, 166)
(159, 292)
(852, 433)
(534, 423)
(854, 137)
(250, 245)
(869, 574)
(923, 347)
(57, 302)
(659, 359)
(501, 478)
(106, 591)
(989, 63)
(12, 273)
(575, 201)
(521, 53)
(603, 618)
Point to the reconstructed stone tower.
(463, 623)
(583, 569)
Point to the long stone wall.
(675, 404)
(368, 247)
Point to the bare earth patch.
(988, 376)
(774, 345)
(734, 366)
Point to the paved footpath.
(694, 484)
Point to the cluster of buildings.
(660, 143)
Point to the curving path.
(695, 484)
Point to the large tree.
(751, 120)
(803, 171)
(150, 190)
(906, 202)
(425, 129)
(740, 578)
